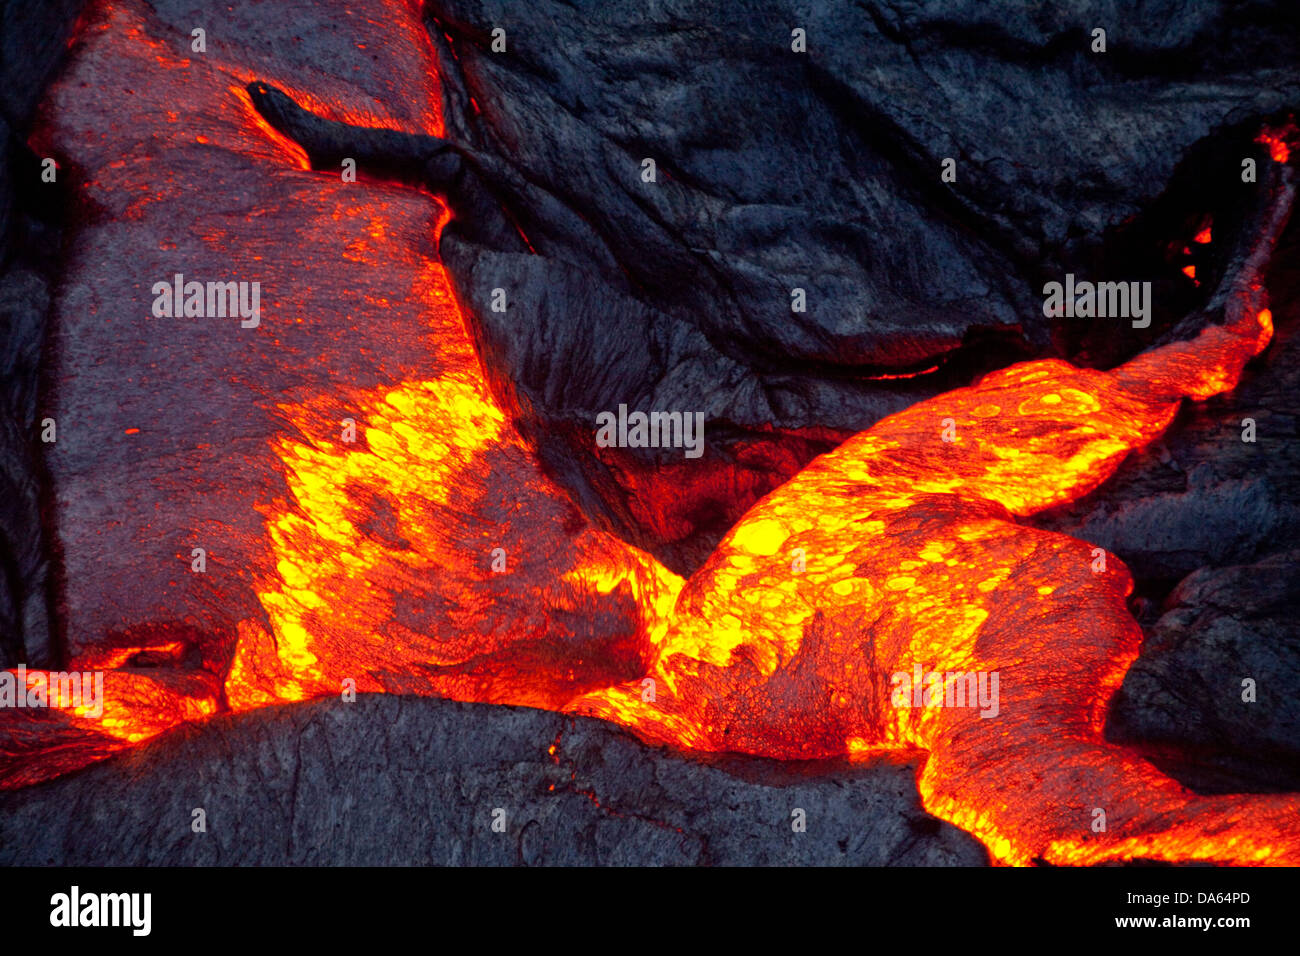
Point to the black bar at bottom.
(355, 906)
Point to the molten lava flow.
(428, 557)
(423, 552)
(406, 538)
(1278, 141)
(911, 557)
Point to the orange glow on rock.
(1278, 141)
(430, 553)
(914, 558)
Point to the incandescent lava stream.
(372, 560)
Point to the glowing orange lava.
(1278, 142)
(419, 547)
(900, 549)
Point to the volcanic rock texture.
(776, 171)
(391, 780)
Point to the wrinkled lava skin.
(913, 556)
(371, 561)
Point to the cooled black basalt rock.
(1213, 697)
(32, 42)
(820, 170)
(389, 780)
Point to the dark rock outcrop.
(33, 39)
(391, 781)
(1212, 698)
(779, 170)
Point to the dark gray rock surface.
(33, 39)
(393, 780)
(1183, 700)
(821, 170)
